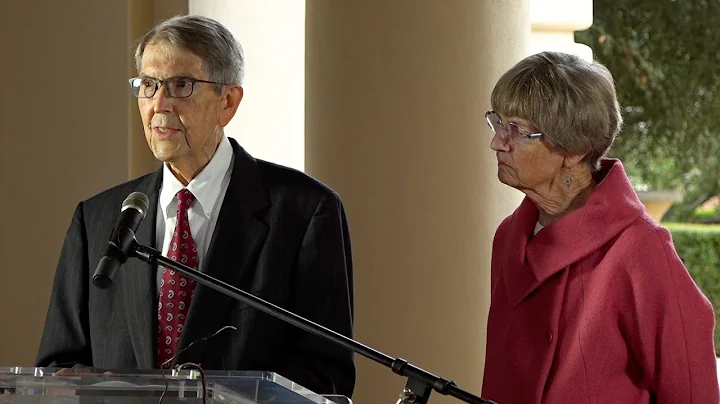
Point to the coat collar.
(531, 260)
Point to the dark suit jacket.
(281, 235)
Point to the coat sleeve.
(674, 327)
(66, 337)
(323, 293)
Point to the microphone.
(122, 239)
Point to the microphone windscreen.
(137, 201)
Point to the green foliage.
(664, 55)
(705, 215)
(699, 248)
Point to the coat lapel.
(237, 238)
(139, 283)
(519, 279)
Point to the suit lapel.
(139, 283)
(237, 238)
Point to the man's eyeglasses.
(175, 87)
(511, 130)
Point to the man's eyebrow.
(174, 76)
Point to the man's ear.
(231, 101)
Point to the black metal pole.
(420, 382)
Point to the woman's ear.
(572, 161)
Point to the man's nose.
(161, 102)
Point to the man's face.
(183, 132)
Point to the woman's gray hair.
(221, 53)
(572, 101)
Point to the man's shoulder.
(283, 181)
(113, 197)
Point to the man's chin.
(164, 156)
(164, 150)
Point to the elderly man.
(266, 229)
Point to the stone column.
(395, 97)
(68, 130)
(63, 109)
(269, 123)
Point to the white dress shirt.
(209, 188)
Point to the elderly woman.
(590, 302)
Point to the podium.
(189, 386)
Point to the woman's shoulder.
(645, 238)
(647, 258)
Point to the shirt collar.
(206, 186)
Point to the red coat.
(596, 308)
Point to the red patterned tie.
(175, 289)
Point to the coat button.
(549, 337)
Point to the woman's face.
(525, 163)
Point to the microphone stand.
(420, 383)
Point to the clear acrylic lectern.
(46, 385)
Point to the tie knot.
(185, 199)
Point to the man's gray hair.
(221, 53)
